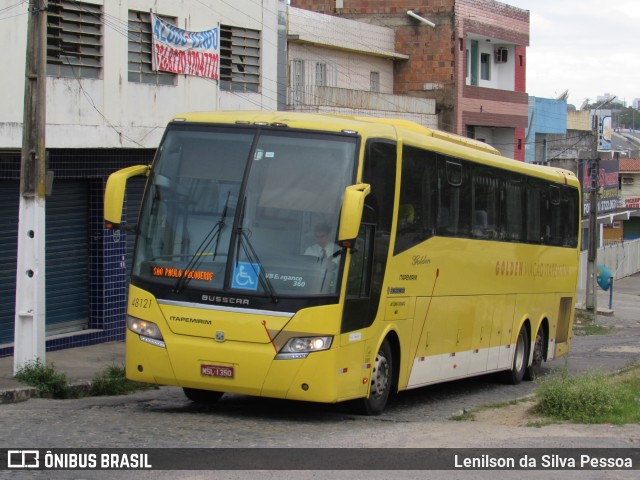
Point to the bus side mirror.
(351, 215)
(114, 193)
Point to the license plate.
(216, 371)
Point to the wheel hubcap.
(519, 352)
(380, 376)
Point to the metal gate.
(9, 199)
(67, 257)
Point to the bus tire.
(381, 383)
(206, 397)
(535, 369)
(520, 358)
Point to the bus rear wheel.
(535, 368)
(520, 358)
(205, 397)
(380, 385)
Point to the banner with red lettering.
(182, 51)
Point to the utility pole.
(29, 344)
(592, 253)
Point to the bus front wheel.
(381, 383)
(206, 397)
(520, 358)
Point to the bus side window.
(555, 227)
(534, 212)
(358, 283)
(454, 190)
(514, 197)
(569, 212)
(415, 220)
(485, 203)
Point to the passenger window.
(513, 207)
(416, 213)
(454, 202)
(358, 283)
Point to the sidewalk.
(81, 364)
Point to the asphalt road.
(163, 418)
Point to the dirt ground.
(521, 414)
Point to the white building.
(344, 66)
(106, 109)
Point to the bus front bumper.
(232, 367)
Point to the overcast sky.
(589, 47)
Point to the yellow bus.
(328, 258)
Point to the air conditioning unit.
(501, 55)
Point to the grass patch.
(112, 381)
(470, 414)
(584, 330)
(48, 382)
(584, 325)
(591, 398)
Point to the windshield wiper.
(196, 259)
(252, 256)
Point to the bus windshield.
(245, 210)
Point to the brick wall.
(374, 6)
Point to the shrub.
(582, 399)
(112, 381)
(45, 379)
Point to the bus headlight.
(148, 331)
(301, 347)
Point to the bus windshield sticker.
(245, 276)
(296, 281)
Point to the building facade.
(467, 55)
(106, 108)
(342, 66)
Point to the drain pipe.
(413, 14)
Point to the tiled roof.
(630, 164)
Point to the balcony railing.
(362, 103)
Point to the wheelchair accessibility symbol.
(245, 276)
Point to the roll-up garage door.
(10, 201)
(67, 257)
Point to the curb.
(16, 395)
(22, 394)
(605, 312)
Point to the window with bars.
(140, 53)
(321, 74)
(374, 82)
(74, 39)
(239, 59)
